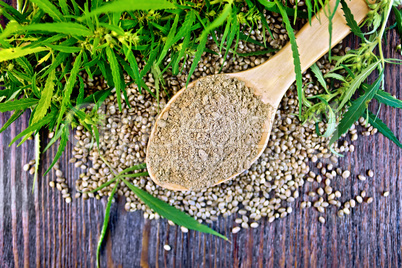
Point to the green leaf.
(171, 213)
(10, 10)
(309, 10)
(204, 36)
(65, 49)
(34, 127)
(14, 117)
(383, 128)
(60, 150)
(356, 82)
(264, 23)
(131, 5)
(98, 96)
(16, 105)
(68, 89)
(331, 120)
(330, 17)
(219, 20)
(169, 39)
(105, 224)
(356, 110)
(267, 4)
(234, 29)
(335, 76)
(45, 99)
(69, 28)
(197, 56)
(60, 58)
(11, 28)
(76, 8)
(114, 66)
(64, 7)
(224, 36)
(135, 175)
(134, 67)
(388, 99)
(350, 20)
(12, 53)
(24, 63)
(296, 55)
(398, 19)
(81, 93)
(50, 9)
(111, 27)
(270, 6)
(103, 185)
(133, 168)
(150, 61)
(318, 74)
(185, 31)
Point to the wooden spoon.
(272, 79)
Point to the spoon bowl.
(271, 80)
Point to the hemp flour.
(209, 133)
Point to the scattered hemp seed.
(359, 199)
(26, 167)
(184, 229)
(52, 184)
(320, 191)
(254, 225)
(361, 177)
(236, 229)
(385, 194)
(369, 200)
(346, 174)
(370, 173)
(59, 173)
(321, 219)
(167, 247)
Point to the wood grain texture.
(38, 229)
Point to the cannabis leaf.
(351, 20)
(356, 83)
(130, 5)
(383, 128)
(356, 110)
(171, 213)
(296, 55)
(46, 97)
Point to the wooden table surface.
(37, 228)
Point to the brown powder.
(209, 133)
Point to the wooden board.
(37, 228)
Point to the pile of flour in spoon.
(209, 133)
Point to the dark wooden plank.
(38, 229)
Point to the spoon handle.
(272, 79)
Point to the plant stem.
(379, 37)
